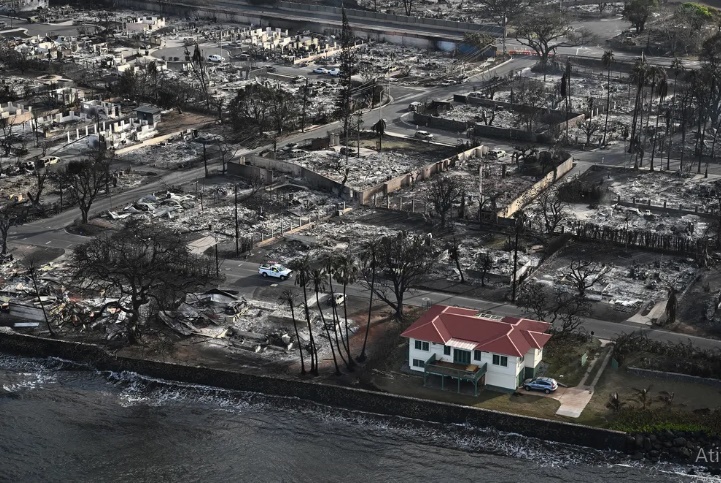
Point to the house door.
(461, 357)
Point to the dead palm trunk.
(662, 90)
(336, 321)
(639, 88)
(289, 300)
(608, 95)
(313, 349)
(316, 284)
(362, 356)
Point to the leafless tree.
(553, 209)
(563, 310)
(85, 180)
(454, 256)
(585, 274)
(530, 94)
(589, 127)
(142, 265)
(403, 262)
(408, 6)
(7, 138)
(31, 265)
(9, 217)
(444, 192)
(484, 263)
(502, 12)
(40, 178)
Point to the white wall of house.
(533, 357)
(496, 375)
(421, 355)
(502, 376)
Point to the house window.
(477, 355)
(446, 350)
(418, 363)
(422, 346)
(500, 360)
(461, 357)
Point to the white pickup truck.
(275, 270)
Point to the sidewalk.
(575, 399)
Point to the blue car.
(545, 384)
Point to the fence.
(646, 239)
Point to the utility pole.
(360, 121)
(237, 231)
(305, 103)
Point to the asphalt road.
(243, 276)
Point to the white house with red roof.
(468, 345)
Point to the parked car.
(215, 58)
(413, 106)
(320, 70)
(49, 160)
(275, 270)
(336, 299)
(335, 72)
(497, 153)
(347, 151)
(424, 135)
(545, 384)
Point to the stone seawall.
(350, 398)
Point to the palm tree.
(656, 75)
(643, 397)
(662, 91)
(317, 276)
(330, 268)
(638, 78)
(301, 267)
(677, 67)
(369, 260)
(288, 297)
(346, 272)
(607, 60)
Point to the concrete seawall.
(350, 398)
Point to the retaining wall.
(533, 191)
(345, 397)
(268, 167)
(674, 376)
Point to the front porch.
(460, 372)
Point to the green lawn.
(562, 359)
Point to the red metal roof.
(511, 336)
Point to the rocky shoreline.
(684, 447)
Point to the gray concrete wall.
(272, 167)
(530, 194)
(674, 376)
(345, 397)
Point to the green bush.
(637, 420)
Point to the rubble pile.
(369, 169)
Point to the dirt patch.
(91, 229)
(39, 255)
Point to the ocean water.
(67, 423)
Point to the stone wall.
(345, 397)
(533, 191)
(674, 376)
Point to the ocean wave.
(132, 389)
